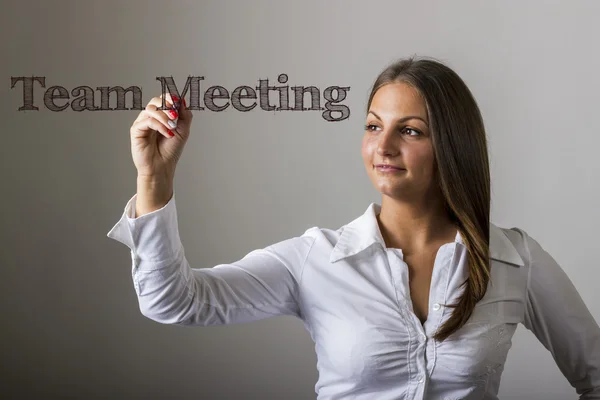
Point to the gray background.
(71, 327)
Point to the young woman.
(417, 298)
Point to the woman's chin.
(390, 191)
(389, 185)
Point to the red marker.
(174, 111)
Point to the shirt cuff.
(152, 237)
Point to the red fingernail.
(173, 114)
(174, 97)
(171, 133)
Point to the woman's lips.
(388, 169)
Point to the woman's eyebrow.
(403, 119)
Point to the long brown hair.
(461, 155)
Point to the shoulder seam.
(529, 267)
(302, 270)
(305, 259)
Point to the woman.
(418, 297)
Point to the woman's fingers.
(163, 120)
(184, 113)
(179, 103)
(149, 120)
(167, 117)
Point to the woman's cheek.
(363, 150)
(367, 147)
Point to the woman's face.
(397, 133)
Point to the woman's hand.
(155, 152)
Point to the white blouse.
(352, 294)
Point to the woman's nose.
(387, 145)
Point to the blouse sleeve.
(558, 317)
(264, 283)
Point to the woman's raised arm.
(264, 283)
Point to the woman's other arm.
(558, 317)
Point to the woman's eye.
(414, 130)
(369, 127)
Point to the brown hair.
(460, 153)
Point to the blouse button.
(420, 379)
(436, 307)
